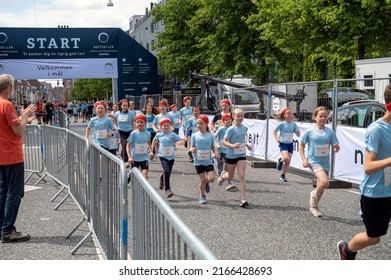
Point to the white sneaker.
(316, 212)
(220, 180)
(230, 186)
(202, 199)
(313, 200)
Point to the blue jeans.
(11, 194)
(167, 169)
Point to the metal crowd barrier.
(108, 202)
(97, 182)
(33, 152)
(158, 233)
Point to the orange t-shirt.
(10, 144)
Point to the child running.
(319, 140)
(192, 127)
(375, 188)
(235, 141)
(139, 148)
(175, 115)
(284, 138)
(221, 149)
(102, 126)
(166, 139)
(201, 143)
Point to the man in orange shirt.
(11, 161)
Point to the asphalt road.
(278, 224)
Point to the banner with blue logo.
(72, 53)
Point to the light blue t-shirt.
(219, 135)
(125, 120)
(236, 134)
(150, 119)
(286, 131)
(186, 114)
(114, 142)
(176, 117)
(319, 142)
(167, 144)
(203, 142)
(158, 118)
(101, 127)
(192, 124)
(378, 140)
(139, 149)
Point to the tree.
(88, 89)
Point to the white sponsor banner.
(349, 161)
(60, 68)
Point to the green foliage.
(88, 89)
(310, 39)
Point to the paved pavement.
(276, 226)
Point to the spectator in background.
(49, 112)
(11, 161)
(39, 112)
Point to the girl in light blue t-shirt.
(201, 145)
(284, 136)
(319, 139)
(235, 141)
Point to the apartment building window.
(152, 27)
(147, 46)
(368, 83)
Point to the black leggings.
(124, 140)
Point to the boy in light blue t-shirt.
(375, 189)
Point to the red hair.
(186, 98)
(165, 120)
(163, 103)
(284, 111)
(204, 119)
(140, 117)
(122, 101)
(100, 103)
(227, 116)
(225, 101)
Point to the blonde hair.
(317, 110)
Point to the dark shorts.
(202, 168)
(376, 214)
(235, 160)
(141, 165)
(286, 147)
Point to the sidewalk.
(48, 227)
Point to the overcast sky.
(74, 13)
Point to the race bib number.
(167, 151)
(241, 150)
(387, 177)
(288, 137)
(322, 150)
(176, 121)
(140, 149)
(149, 125)
(101, 134)
(203, 154)
(122, 118)
(113, 141)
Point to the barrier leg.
(81, 243)
(57, 194)
(58, 205)
(75, 228)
